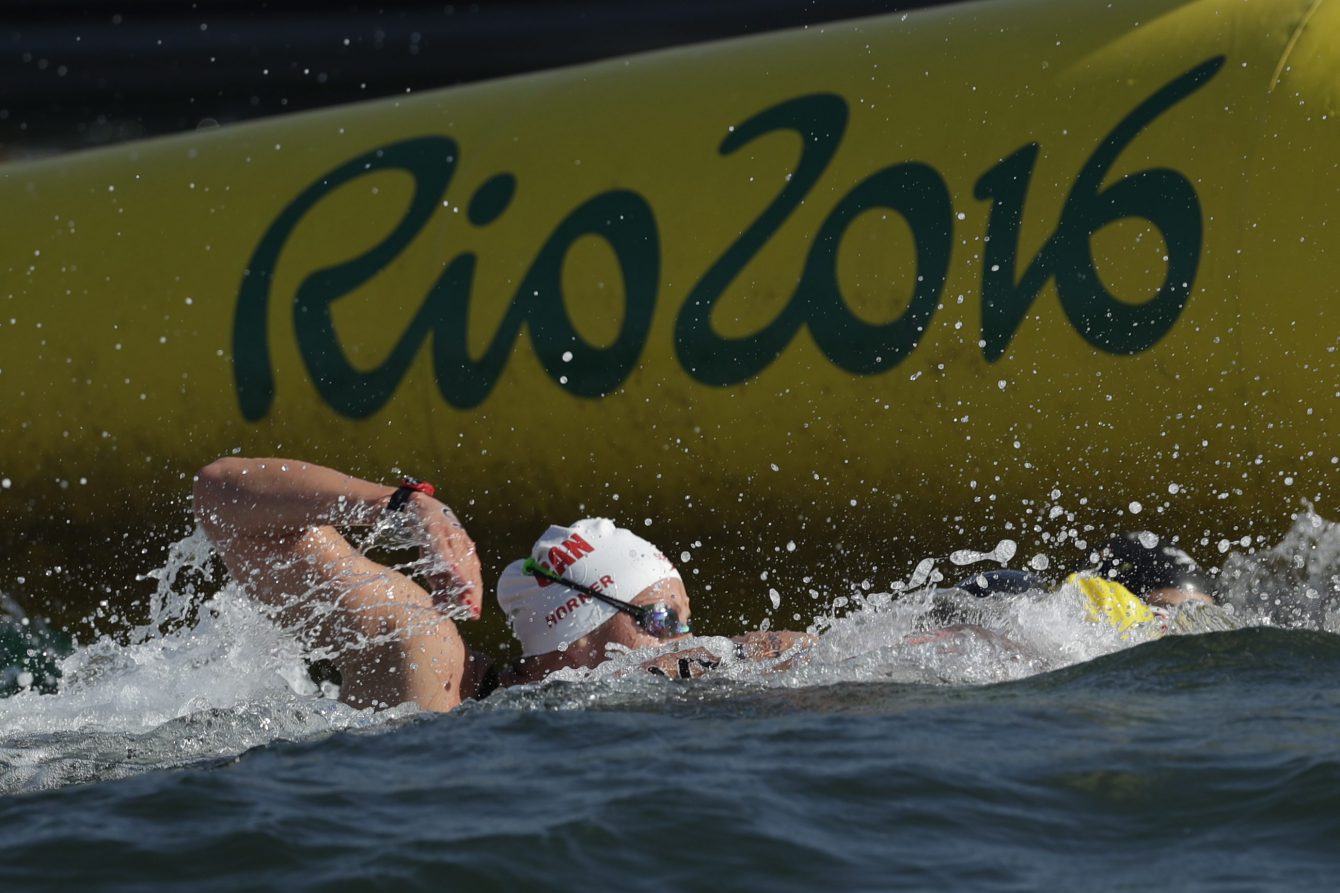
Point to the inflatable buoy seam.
(1292, 44)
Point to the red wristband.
(408, 487)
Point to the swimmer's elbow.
(208, 490)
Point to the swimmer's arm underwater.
(273, 523)
(768, 645)
(754, 646)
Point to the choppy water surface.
(1049, 751)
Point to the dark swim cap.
(1000, 582)
(1142, 563)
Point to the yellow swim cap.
(1111, 603)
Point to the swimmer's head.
(1003, 581)
(1160, 573)
(595, 553)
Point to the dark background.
(80, 74)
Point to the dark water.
(1200, 762)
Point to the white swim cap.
(594, 552)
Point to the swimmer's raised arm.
(273, 521)
(259, 494)
(237, 497)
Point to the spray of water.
(1293, 584)
(207, 677)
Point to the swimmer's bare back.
(274, 522)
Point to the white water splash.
(171, 692)
(1295, 583)
(1002, 554)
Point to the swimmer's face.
(1173, 596)
(623, 630)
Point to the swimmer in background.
(1162, 575)
(1139, 579)
(587, 590)
(1179, 596)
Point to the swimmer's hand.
(450, 558)
(688, 664)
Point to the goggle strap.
(535, 569)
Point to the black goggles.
(659, 620)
